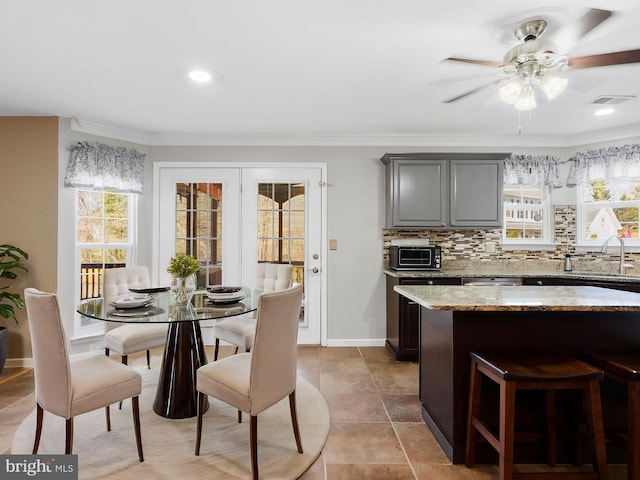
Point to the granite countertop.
(513, 273)
(521, 298)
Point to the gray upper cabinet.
(443, 190)
(476, 193)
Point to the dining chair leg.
(253, 440)
(125, 361)
(294, 420)
(215, 349)
(148, 359)
(39, 415)
(107, 413)
(136, 425)
(201, 400)
(68, 448)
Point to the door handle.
(314, 270)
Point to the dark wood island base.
(456, 320)
(447, 338)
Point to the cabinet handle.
(412, 303)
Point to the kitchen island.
(455, 320)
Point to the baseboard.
(356, 342)
(19, 363)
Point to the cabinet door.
(418, 193)
(476, 193)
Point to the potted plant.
(11, 259)
(183, 268)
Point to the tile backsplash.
(482, 249)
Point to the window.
(103, 240)
(281, 224)
(199, 228)
(527, 215)
(606, 208)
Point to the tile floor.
(376, 429)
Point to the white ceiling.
(333, 69)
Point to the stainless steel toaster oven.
(415, 257)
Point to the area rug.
(169, 444)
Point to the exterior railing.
(91, 278)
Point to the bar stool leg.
(473, 412)
(507, 429)
(549, 415)
(633, 420)
(596, 426)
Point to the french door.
(231, 218)
(282, 223)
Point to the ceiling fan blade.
(470, 92)
(486, 63)
(591, 20)
(605, 59)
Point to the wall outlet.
(333, 244)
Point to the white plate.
(225, 297)
(130, 303)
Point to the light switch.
(333, 244)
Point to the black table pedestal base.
(176, 395)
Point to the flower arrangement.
(11, 258)
(183, 265)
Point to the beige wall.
(29, 209)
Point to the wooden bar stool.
(624, 368)
(548, 373)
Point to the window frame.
(546, 241)
(97, 327)
(582, 206)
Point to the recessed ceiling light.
(604, 111)
(199, 76)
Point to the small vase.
(183, 288)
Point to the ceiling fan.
(532, 63)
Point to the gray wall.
(355, 193)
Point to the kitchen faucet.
(622, 264)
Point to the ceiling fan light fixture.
(510, 92)
(526, 100)
(552, 86)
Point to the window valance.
(531, 170)
(102, 167)
(605, 163)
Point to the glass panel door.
(199, 228)
(282, 223)
(199, 215)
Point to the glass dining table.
(184, 353)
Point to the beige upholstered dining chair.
(69, 388)
(130, 338)
(253, 382)
(240, 331)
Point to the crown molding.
(384, 140)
